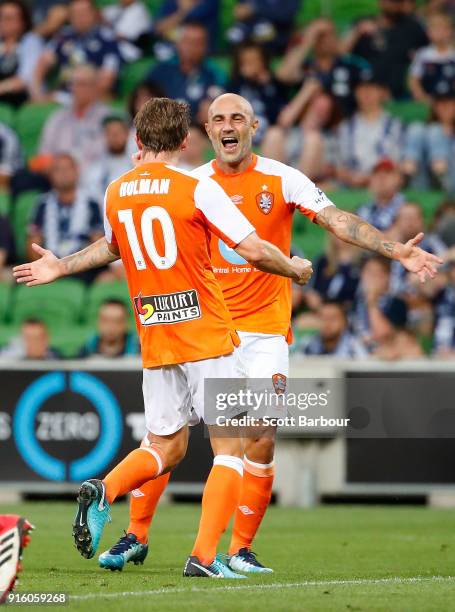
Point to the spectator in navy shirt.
(84, 41)
(444, 333)
(113, 339)
(385, 184)
(174, 13)
(188, 77)
(433, 69)
(66, 219)
(267, 22)
(334, 337)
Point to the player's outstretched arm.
(268, 258)
(49, 268)
(351, 228)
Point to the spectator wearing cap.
(388, 42)
(66, 219)
(84, 41)
(390, 335)
(384, 185)
(78, 128)
(174, 13)
(334, 337)
(432, 71)
(429, 148)
(371, 134)
(267, 22)
(188, 76)
(114, 161)
(19, 52)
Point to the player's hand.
(40, 272)
(418, 261)
(303, 269)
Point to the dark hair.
(24, 11)
(154, 89)
(162, 124)
(382, 261)
(331, 302)
(114, 302)
(194, 23)
(34, 321)
(263, 52)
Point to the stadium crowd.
(362, 100)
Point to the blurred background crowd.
(358, 94)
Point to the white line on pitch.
(273, 585)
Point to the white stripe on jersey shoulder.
(266, 165)
(205, 170)
(181, 171)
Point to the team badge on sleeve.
(264, 200)
(279, 383)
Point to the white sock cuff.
(259, 466)
(157, 457)
(235, 463)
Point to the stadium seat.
(29, 123)
(70, 340)
(408, 110)
(7, 115)
(428, 200)
(133, 74)
(343, 12)
(59, 304)
(5, 296)
(101, 292)
(222, 66)
(310, 242)
(21, 215)
(7, 332)
(349, 199)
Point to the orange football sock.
(143, 505)
(221, 496)
(254, 499)
(141, 465)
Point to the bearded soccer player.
(158, 220)
(268, 193)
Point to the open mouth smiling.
(229, 143)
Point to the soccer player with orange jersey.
(159, 220)
(268, 193)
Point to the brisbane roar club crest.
(265, 200)
(279, 383)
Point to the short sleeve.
(417, 66)
(108, 233)
(303, 194)
(29, 52)
(222, 216)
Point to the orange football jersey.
(162, 219)
(267, 193)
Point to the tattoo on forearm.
(353, 229)
(95, 255)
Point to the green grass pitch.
(330, 558)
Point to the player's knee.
(261, 450)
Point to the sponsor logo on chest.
(168, 308)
